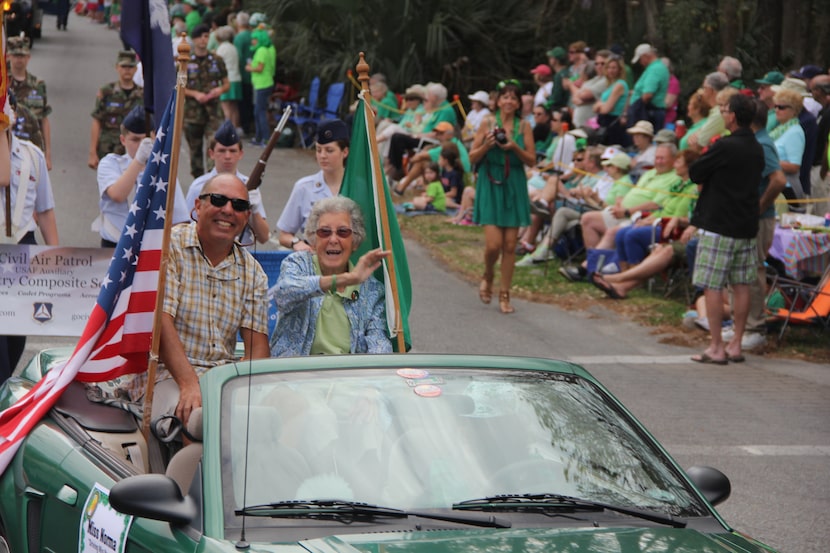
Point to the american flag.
(117, 336)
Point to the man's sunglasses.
(219, 200)
(341, 232)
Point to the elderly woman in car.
(326, 304)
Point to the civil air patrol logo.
(42, 312)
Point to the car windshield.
(418, 439)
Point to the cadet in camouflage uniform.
(24, 124)
(30, 91)
(207, 79)
(112, 104)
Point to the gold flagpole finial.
(363, 72)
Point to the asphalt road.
(766, 423)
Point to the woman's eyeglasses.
(506, 82)
(341, 232)
(782, 106)
(219, 200)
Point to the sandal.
(504, 302)
(485, 289)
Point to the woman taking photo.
(325, 304)
(503, 146)
(332, 150)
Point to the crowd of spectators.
(616, 143)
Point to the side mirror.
(712, 483)
(153, 496)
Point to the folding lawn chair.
(307, 118)
(676, 276)
(802, 303)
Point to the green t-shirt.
(267, 55)
(679, 201)
(388, 107)
(655, 81)
(435, 190)
(444, 112)
(619, 189)
(651, 187)
(332, 332)
(191, 20)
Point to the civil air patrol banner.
(49, 290)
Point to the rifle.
(255, 179)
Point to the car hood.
(534, 540)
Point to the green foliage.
(471, 44)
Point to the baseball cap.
(665, 136)
(807, 72)
(226, 134)
(480, 96)
(642, 127)
(558, 53)
(643, 48)
(792, 84)
(609, 152)
(542, 69)
(256, 19)
(126, 57)
(443, 126)
(18, 45)
(332, 131)
(620, 160)
(771, 77)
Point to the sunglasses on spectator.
(341, 232)
(219, 200)
(782, 106)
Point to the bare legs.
(501, 242)
(656, 262)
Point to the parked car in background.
(23, 17)
(342, 454)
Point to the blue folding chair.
(305, 109)
(307, 118)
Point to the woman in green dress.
(503, 146)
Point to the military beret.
(226, 134)
(135, 121)
(332, 131)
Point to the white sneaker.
(752, 340)
(526, 261)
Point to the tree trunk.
(728, 24)
(651, 14)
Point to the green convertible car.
(363, 454)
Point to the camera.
(500, 135)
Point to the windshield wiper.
(549, 501)
(348, 512)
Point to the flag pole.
(5, 138)
(178, 116)
(363, 76)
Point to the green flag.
(365, 183)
